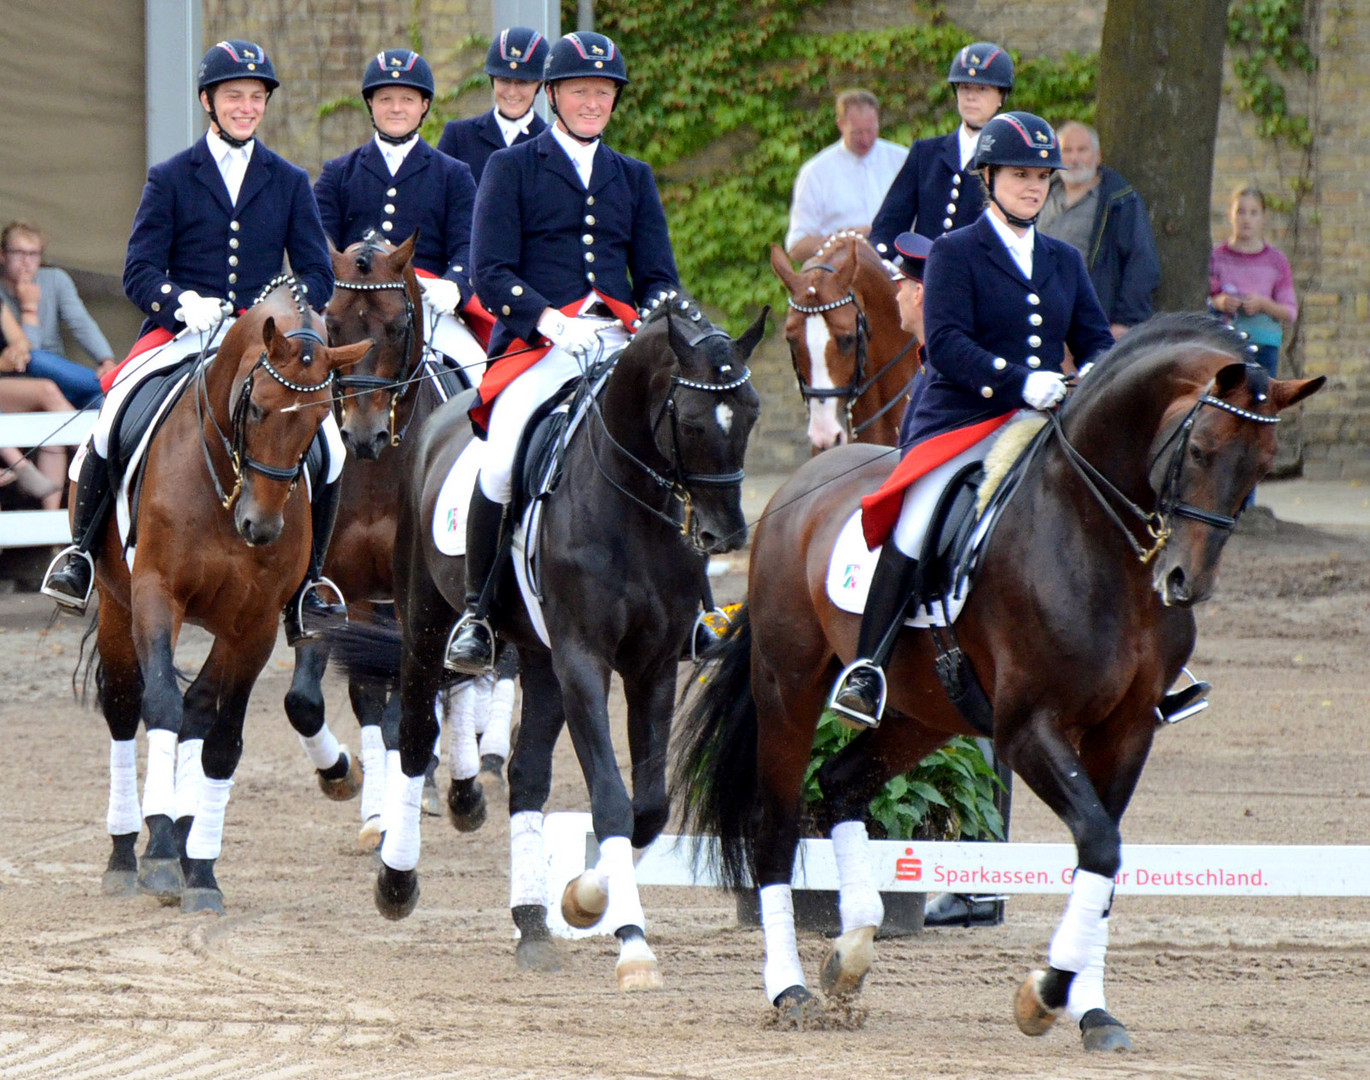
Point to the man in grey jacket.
(1093, 208)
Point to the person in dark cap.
(911, 256)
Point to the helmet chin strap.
(1012, 219)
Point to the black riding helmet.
(985, 64)
(517, 53)
(583, 55)
(398, 67)
(233, 59)
(1020, 140)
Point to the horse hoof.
(347, 786)
(1032, 1016)
(1101, 1032)
(119, 883)
(637, 968)
(194, 901)
(162, 878)
(584, 900)
(465, 804)
(795, 1006)
(844, 969)
(537, 954)
(397, 892)
(431, 802)
(371, 834)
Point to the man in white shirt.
(843, 186)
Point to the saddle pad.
(454, 500)
(851, 567)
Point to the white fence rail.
(34, 528)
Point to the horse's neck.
(625, 409)
(1116, 431)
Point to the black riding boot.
(471, 649)
(308, 614)
(860, 691)
(70, 585)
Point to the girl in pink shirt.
(1250, 282)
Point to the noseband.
(367, 383)
(235, 442)
(859, 384)
(1160, 522)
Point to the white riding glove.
(200, 313)
(1044, 389)
(579, 337)
(443, 296)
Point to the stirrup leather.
(714, 621)
(65, 599)
(314, 586)
(468, 619)
(859, 719)
(1177, 705)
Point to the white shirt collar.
(1019, 247)
(582, 156)
(220, 149)
(394, 155)
(512, 129)
(968, 139)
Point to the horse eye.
(846, 342)
(1198, 454)
(255, 412)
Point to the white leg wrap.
(782, 953)
(481, 688)
(207, 834)
(159, 785)
(858, 898)
(123, 816)
(1087, 988)
(373, 771)
(190, 774)
(322, 748)
(1090, 895)
(465, 755)
(498, 719)
(394, 777)
(616, 864)
(400, 851)
(527, 865)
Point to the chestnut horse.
(1078, 621)
(222, 532)
(854, 364)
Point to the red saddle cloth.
(880, 509)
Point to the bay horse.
(1079, 619)
(651, 484)
(854, 363)
(223, 533)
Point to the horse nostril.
(1176, 585)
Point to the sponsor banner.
(927, 866)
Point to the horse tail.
(714, 757)
(369, 652)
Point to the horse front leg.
(606, 894)
(651, 704)
(120, 695)
(378, 718)
(231, 669)
(339, 771)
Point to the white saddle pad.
(450, 336)
(851, 567)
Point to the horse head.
(1181, 426)
(281, 394)
(831, 299)
(702, 407)
(376, 296)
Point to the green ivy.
(1267, 38)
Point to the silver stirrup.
(1192, 709)
(65, 600)
(314, 586)
(466, 620)
(859, 720)
(702, 622)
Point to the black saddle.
(139, 410)
(448, 380)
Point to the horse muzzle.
(255, 525)
(368, 443)
(1176, 588)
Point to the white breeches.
(921, 498)
(520, 399)
(449, 335)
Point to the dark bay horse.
(1079, 620)
(651, 484)
(223, 532)
(854, 364)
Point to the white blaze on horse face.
(825, 430)
(724, 415)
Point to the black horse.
(651, 484)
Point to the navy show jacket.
(473, 140)
(930, 196)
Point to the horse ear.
(752, 336)
(399, 258)
(679, 344)
(269, 332)
(1287, 392)
(780, 263)
(339, 260)
(1228, 379)
(846, 275)
(346, 355)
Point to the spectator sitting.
(1100, 214)
(46, 481)
(843, 186)
(41, 297)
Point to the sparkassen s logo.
(908, 869)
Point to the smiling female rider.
(214, 226)
(569, 238)
(1001, 303)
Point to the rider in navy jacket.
(937, 190)
(429, 192)
(514, 64)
